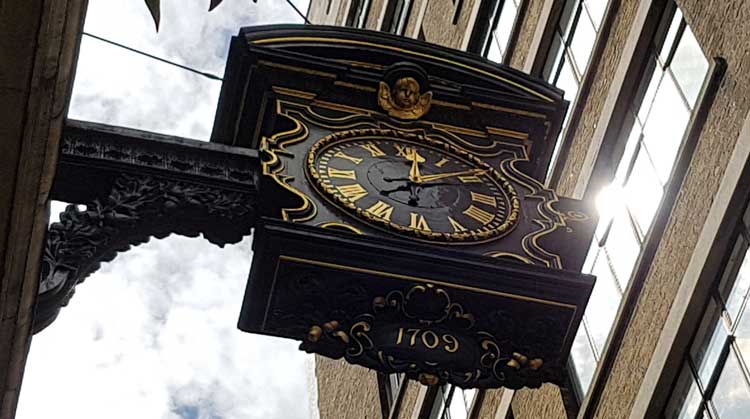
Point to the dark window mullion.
(675, 43)
(710, 387)
(573, 26)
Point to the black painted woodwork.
(498, 306)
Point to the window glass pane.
(689, 66)
(686, 398)
(457, 408)
(596, 10)
(494, 53)
(609, 203)
(591, 257)
(566, 17)
(583, 43)
(669, 39)
(505, 24)
(623, 248)
(554, 59)
(648, 98)
(567, 81)
(731, 398)
(603, 304)
(665, 127)
(583, 357)
(627, 155)
(743, 336)
(736, 279)
(709, 342)
(643, 192)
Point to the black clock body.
(418, 171)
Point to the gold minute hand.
(428, 178)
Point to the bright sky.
(153, 334)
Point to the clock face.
(410, 184)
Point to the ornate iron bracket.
(170, 199)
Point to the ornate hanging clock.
(412, 185)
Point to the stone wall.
(337, 399)
(526, 34)
(438, 24)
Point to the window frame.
(714, 272)
(481, 34)
(391, 398)
(606, 161)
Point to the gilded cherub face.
(406, 93)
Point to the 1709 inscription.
(427, 338)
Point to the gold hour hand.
(415, 159)
(429, 178)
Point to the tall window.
(571, 47)
(358, 11)
(389, 386)
(501, 22)
(452, 402)
(397, 15)
(714, 380)
(670, 85)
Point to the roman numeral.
(373, 149)
(442, 162)
(382, 210)
(470, 179)
(457, 227)
(484, 199)
(402, 150)
(343, 174)
(418, 222)
(479, 214)
(352, 192)
(343, 155)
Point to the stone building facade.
(658, 134)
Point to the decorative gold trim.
(509, 110)
(355, 86)
(508, 133)
(425, 281)
(450, 105)
(333, 225)
(509, 255)
(342, 108)
(402, 50)
(297, 69)
(293, 92)
(460, 130)
(273, 168)
(360, 64)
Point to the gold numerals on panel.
(442, 162)
(373, 149)
(470, 179)
(418, 222)
(479, 214)
(352, 192)
(427, 338)
(382, 210)
(342, 155)
(343, 174)
(402, 150)
(484, 199)
(457, 227)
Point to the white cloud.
(153, 334)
